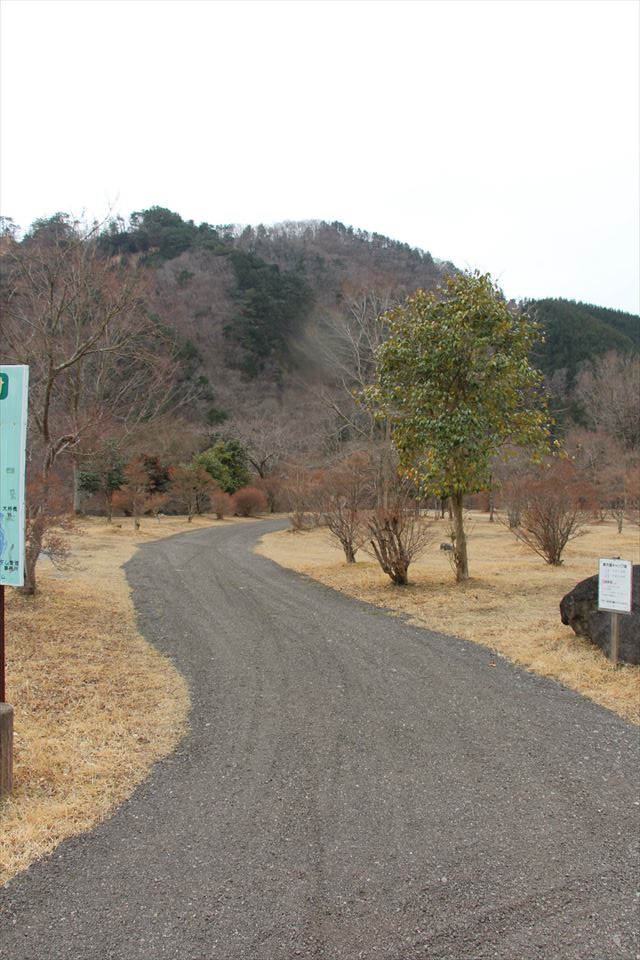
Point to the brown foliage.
(610, 393)
(348, 489)
(299, 489)
(272, 489)
(557, 506)
(49, 521)
(248, 501)
(221, 502)
(134, 497)
(511, 475)
(191, 487)
(632, 493)
(98, 363)
(398, 535)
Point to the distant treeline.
(576, 333)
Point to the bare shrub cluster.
(397, 535)
(349, 491)
(249, 501)
(556, 506)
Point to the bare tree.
(398, 535)
(221, 502)
(353, 338)
(96, 357)
(349, 489)
(609, 467)
(303, 491)
(610, 393)
(632, 494)
(135, 497)
(266, 436)
(558, 505)
(511, 475)
(48, 524)
(190, 487)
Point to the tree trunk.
(30, 560)
(386, 465)
(78, 508)
(491, 501)
(460, 545)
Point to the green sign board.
(14, 383)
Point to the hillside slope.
(253, 304)
(576, 333)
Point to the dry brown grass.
(95, 705)
(510, 604)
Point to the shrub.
(348, 488)
(190, 487)
(556, 507)
(226, 463)
(221, 503)
(248, 501)
(346, 524)
(49, 520)
(297, 490)
(397, 537)
(136, 497)
(273, 490)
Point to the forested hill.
(255, 308)
(576, 333)
(251, 303)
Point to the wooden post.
(3, 692)
(615, 638)
(6, 717)
(6, 750)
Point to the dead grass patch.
(94, 704)
(510, 604)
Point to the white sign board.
(614, 585)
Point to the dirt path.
(353, 787)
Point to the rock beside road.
(579, 610)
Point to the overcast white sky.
(498, 135)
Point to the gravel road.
(352, 787)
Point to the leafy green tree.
(455, 379)
(159, 234)
(226, 462)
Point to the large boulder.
(579, 610)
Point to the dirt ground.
(94, 704)
(510, 604)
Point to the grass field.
(510, 604)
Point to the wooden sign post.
(614, 595)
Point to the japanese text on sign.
(614, 585)
(13, 434)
